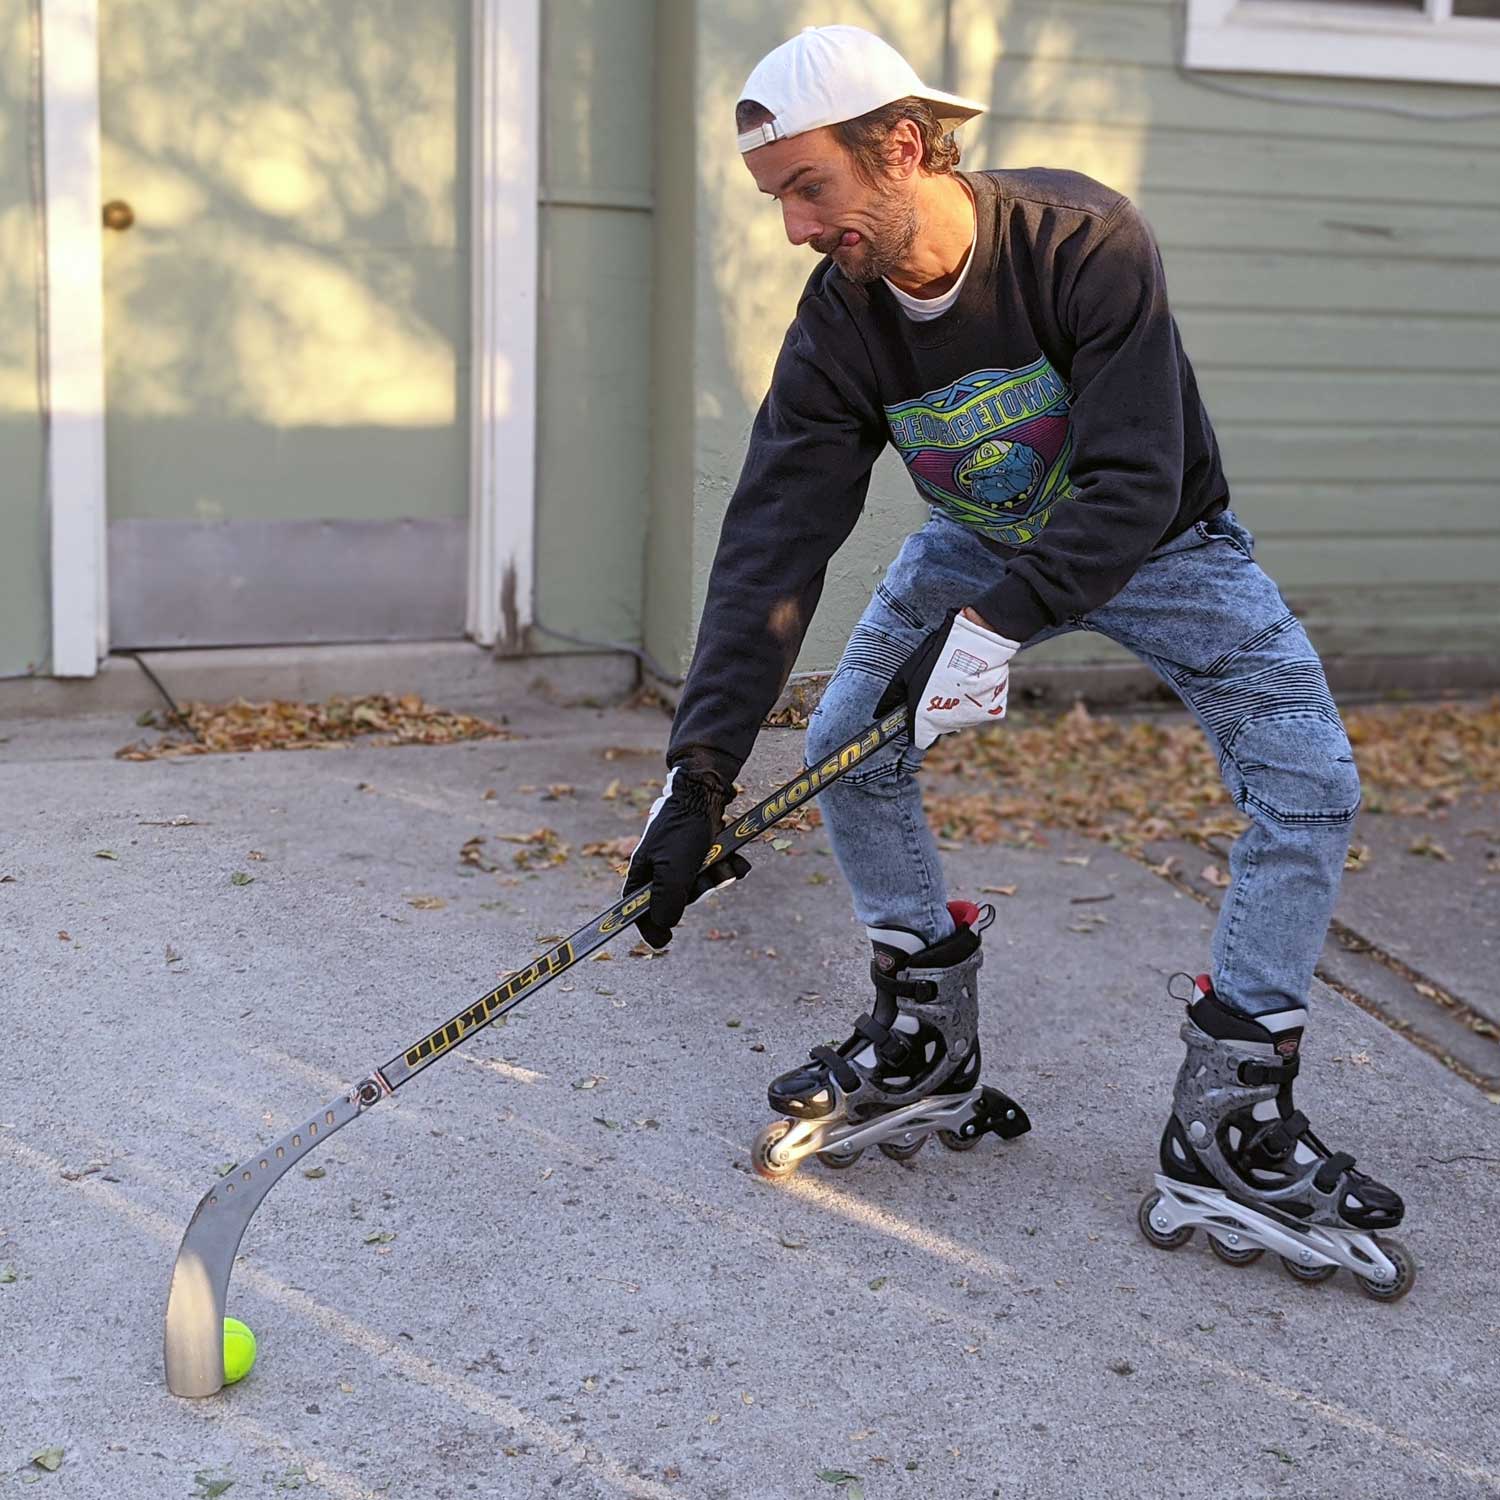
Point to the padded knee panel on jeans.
(848, 707)
(1295, 768)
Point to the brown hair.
(865, 138)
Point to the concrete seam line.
(1434, 1455)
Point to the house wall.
(1333, 270)
(24, 619)
(669, 616)
(594, 335)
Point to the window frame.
(1345, 40)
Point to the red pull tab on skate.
(967, 914)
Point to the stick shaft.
(542, 970)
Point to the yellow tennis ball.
(239, 1350)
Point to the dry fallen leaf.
(616, 851)
(1429, 847)
(470, 855)
(426, 903)
(540, 849)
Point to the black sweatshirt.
(1052, 409)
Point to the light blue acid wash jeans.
(1204, 616)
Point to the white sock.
(908, 943)
(1277, 1022)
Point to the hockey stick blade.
(194, 1335)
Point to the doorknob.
(118, 214)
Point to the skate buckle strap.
(1278, 1139)
(923, 990)
(839, 1066)
(1258, 1074)
(891, 1045)
(1326, 1178)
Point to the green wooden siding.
(24, 558)
(1334, 271)
(594, 349)
(668, 618)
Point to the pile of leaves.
(1420, 757)
(377, 719)
(1128, 782)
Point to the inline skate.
(909, 1070)
(1238, 1159)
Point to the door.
(286, 326)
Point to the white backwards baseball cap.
(829, 74)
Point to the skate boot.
(909, 1070)
(1238, 1159)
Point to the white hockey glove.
(959, 676)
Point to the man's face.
(867, 229)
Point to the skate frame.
(906, 1123)
(1310, 1245)
(194, 1334)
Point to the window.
(1432, 41)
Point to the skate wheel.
(956, 1142)
(840, 1161)
(1235, 1255)
(1163, 1239)
(902, 1151)
(1406, 1273)
(1299, 1272)
(761, 1159)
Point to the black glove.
(680, 829)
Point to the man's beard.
(892, 232)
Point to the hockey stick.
(194, 1340)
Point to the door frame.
(74, 344)
(505, 185)
(505, 137)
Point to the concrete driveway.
(544, 1268)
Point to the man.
(1009, 334)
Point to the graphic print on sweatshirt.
(992, 449)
